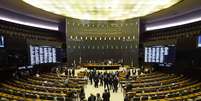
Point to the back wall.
(100, 41)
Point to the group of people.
(70, 72)
(108, 80)
(105, 96)
(66, 71)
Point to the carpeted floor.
(114, 96)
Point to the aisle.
(114, 96)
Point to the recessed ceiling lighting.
(102, 9)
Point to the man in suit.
(96, 80)
(73, 72)
(106, 81)
(106, 96)
(126, 98)
(92, 98)
(115, 84)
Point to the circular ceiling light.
(102, 9)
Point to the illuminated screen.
(42, 54)
(159, 54)
(1, 41)
(199, 41)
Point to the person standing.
(101, 78)
(91, 77)
(66, 71)
(82, 94)
(92, 98)
(110, 81)
(106, 96)
(69, 72)
(73, 72)
(98, 98)
(96, 80)
(106, 81)
(115, 84)
(126, 98)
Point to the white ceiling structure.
(183, 12)
(102, 9)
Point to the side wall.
(185, 37)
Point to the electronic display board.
(159, 54)
(42, 54)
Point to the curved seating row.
(161, 87)
(41, 88)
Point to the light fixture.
(29, 23)
(172, 24)
(102, 9)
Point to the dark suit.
(106, 96)
(126, 98)
(92, 98)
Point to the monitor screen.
(1, 41)
(159, 54)
(199, 41)
(42, 54)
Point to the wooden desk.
(101, 67)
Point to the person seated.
(37, 75)
(129, 87)
(66, 81)
(198, 98)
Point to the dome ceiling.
(180, 11)
(102, 9)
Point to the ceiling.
(20, 7)
(102, 9)
(182, 8)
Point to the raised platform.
(101, 67)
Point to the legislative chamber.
(100, 50)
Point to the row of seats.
(161, 86)
(45, 87)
